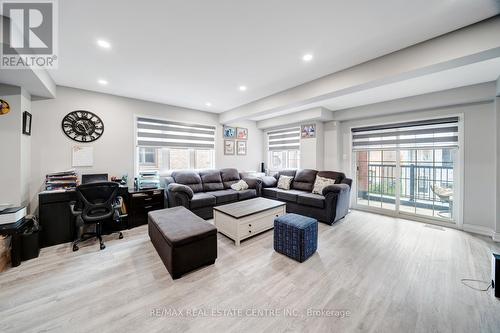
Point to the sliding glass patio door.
(408, 168)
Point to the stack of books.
(61, 180)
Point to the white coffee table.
(244, 219)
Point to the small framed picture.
(229, 132)
(308, 131)
(241, 147)
(26, 123)
(228, 147)
(241, 133)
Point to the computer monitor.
(94, 178)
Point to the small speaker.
(262, 169)
(495, 273)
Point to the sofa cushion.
(289, 173)
(224, 196)
(211, 180)
(338, 176)
(285, 182)
(229, 177)
(201, 199)
(240, 185)
(269, 181)
(270, 192)
(247, 194)
(188, 178)
(320, 183)
(290, 195)
(310, 199)
(304, 180)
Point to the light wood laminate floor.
(386, 274)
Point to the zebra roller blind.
(163, 133)
(285, 139)
(441, 132)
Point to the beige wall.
(114, 151)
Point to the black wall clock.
(82, 126)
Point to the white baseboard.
(496, 236)
(477, 229)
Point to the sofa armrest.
(269, 181)
(179, 195)
(175, 188)
(347, 181)
(335, 189)
(254, 183)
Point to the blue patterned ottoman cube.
(296, 236)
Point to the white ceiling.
(484, 71)
(191, 52)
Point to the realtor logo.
(29, 34)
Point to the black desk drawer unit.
(141, 203)
(58, 224)
(56, 220)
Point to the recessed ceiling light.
(243, 88)
(104, 44)
(102, 82)
(208, 104)
(307, 57)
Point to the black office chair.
(97, 203)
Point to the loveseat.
(328, 207)
(201, 191)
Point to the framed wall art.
(26, 123)
(241, 133)
(229, 132)
(241, 147)
(228, 147)
(308, 131)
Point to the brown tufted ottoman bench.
(183, 240)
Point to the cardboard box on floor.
(4, 253)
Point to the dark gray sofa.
(201, 191)
(329, 207)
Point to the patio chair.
(445, 194)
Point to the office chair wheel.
(103, 246)
(120, 236)
(75, 248)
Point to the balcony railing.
(416, 183)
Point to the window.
(165, 145)
(203, 159)
(147, 157)
(284, 149)
(408, 168)
(179, 159)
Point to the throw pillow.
(320, 183)
(240, 186)
(284, 182)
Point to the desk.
(58, 224)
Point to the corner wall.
(15, 147)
